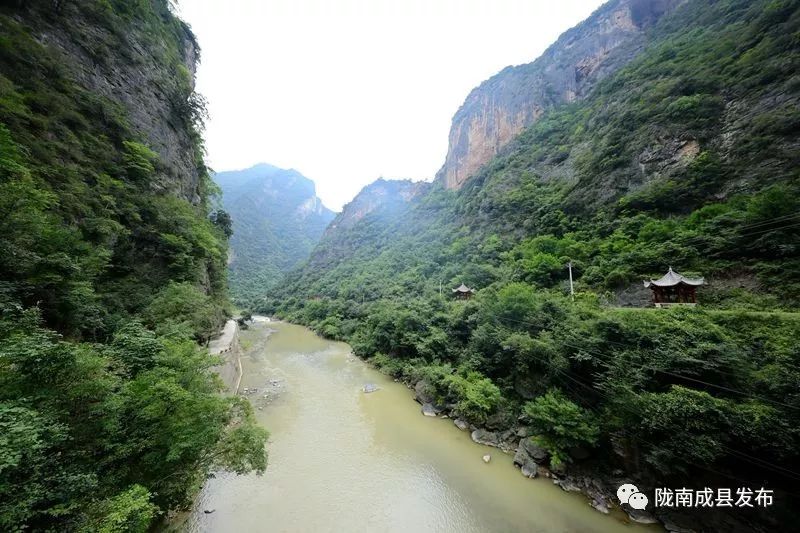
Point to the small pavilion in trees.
(462, 292)
(674, 289)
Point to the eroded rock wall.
(502, 106)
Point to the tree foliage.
(665, 395)
(110, 412)
(560, 425)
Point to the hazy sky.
(347, 91)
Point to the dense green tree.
(110, 272)
(559, 425)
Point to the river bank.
(342, 459)
(227, 346)
(583, 476)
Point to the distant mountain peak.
(277, 220)
(380, 194)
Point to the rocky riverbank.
(596, 480)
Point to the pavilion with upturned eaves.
(463, 292)
(674, 289)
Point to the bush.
(475, 396)
(139, 161)
(560, 425)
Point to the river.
(341, 460)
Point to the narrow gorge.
(585, 320)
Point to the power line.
(699, 239)
(771, 220)
(665, 312)
(741, 455)
(771, 229)
(767, 221)
(604, 358)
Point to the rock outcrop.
(481, 436)
(381, 195)
(501, 107)
(424, 392)
(428, 409)
(158, 102)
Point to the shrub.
(559, 425)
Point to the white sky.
(347, 91)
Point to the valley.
(599, 287)
(343, 459)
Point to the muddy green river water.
(341, 460)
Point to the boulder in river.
(600, 505)
(424, 392)
(461, 424)
(529, 470)
(487, 458)
(428, 409)
(525, 462)
(481, 436)
(370, 387)
(533, 450)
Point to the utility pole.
(571, 288)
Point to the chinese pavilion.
(674, 289)
(463, 292)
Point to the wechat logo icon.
(629, 494)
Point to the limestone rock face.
(153, 96)
(501, 107)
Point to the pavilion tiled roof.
(672, 278)
(463, 288)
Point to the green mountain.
(112, 268)
(277, 220)
(682, 152)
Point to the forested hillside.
(685, 157)
(112, 268)
(277, 220)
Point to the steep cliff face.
(146, 68)
(100, 144)
(501, 107)
(277, 220)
